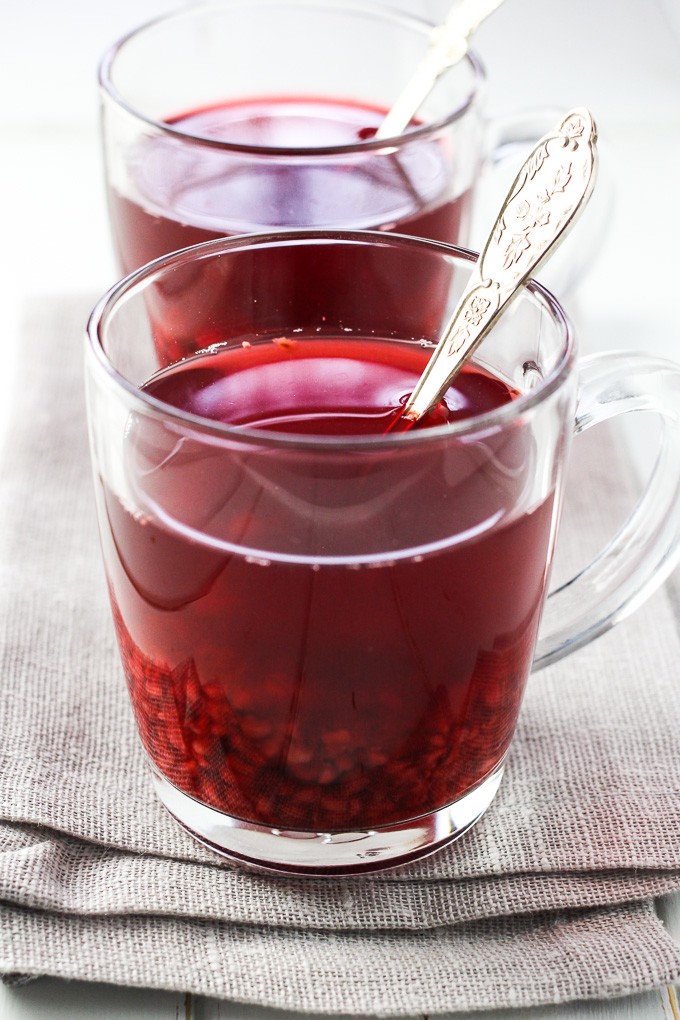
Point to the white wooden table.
(621, 61)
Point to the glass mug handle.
(509, 141)
(644, 551)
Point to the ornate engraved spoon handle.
(449, 45)
(550, 190)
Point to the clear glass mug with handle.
(250, 115)
(326, 630)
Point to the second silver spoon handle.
(449, 45)
(550, 190)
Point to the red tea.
(183, 191)
(293, 658)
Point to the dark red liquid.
(182, 192)
(327, 648)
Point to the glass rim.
(106, 83)
(477, 424)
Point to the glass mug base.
(297, 852)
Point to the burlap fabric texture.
(548, 899)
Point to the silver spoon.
(450, 42)
(549, 192)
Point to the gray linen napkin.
(549, 897)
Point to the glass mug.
(297, 86)
(326, 637)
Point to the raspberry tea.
(326, 623)
(279, 680)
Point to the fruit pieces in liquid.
(353, 691)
